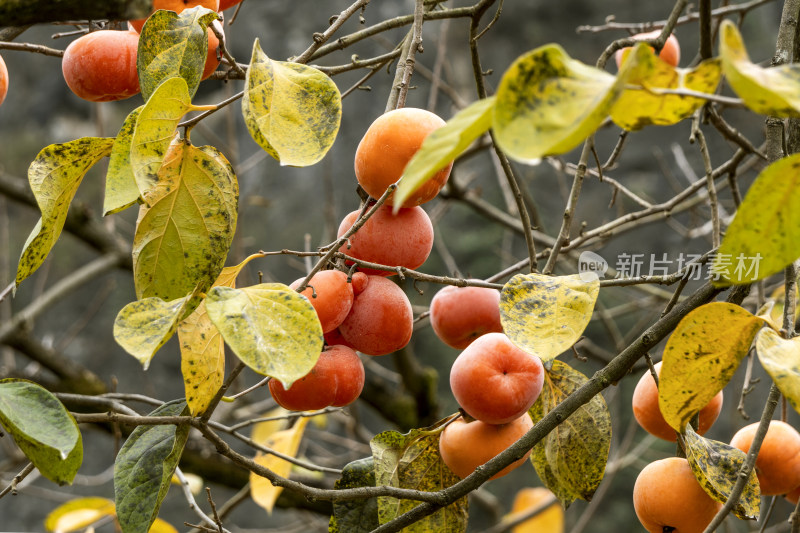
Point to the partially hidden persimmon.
(670, 53)
(3, 80)
(778, 461)
(177, 6)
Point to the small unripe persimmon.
(778, 461)
(464, 446)
(670, 53)
(331, 296)
(667, 497)
(495, 381)
(381, 319)
(388, 145)
(459, 315)
(101, 66)
(336, 380)
(404, 239)
(648, 414)
(177, 6)
(3, 80)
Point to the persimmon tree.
(547, 110)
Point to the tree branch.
(22, 12)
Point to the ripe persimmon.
(101, 66)
(464, 446)
(459, 315)
(3, 80)
(670, 53)
(648, 414)
(388, 145)
(331, 296)
(174, 5)
(667, 497)
(778, 461)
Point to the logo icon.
(591, 266)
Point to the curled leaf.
(78, 514)
(781, 359)
(287, 442)
(355, 516)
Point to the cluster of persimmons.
(668, 497)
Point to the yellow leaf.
(286, 442)
(160, 526)
(781, 359)
(78, 514)
(545, 315)
(769, 91)
(548, 103)
(772, 311)
(194, 481)
(121, 190)
(54, 178)
(155, 130)
(262, 431)
(643, 106)
(716, 466)
(184, 232)
(701, 356)
(271, 328)
(292, 111)
(764, 236)
(550, 520)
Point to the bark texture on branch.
(23, 12)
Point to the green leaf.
(292, 111)
(548, 103)
(43, 429)
(769, 91)
(355, 516)
(571, 459)
(156, 129)
(121, 190)
(54, 177)
(183, 237)
(716, 466)
(764, 236)
(173, 45)
(78, 514)
(545, 315)
(144, 326)
(144, 467)
(270, 327)
(781, 359)
(443, 145)
(644, 106)
(701, 356)
(412, 461)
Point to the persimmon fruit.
(388, 145)
(464, 446)
(331, 296)
(3, 80)
(670, 53)
(667, 497)
(495, 381)
(404, 239)
(336, 380)
(225, 4)
(648, 415)
(177, 6)
(101, 66)
(459, 315)
(380, 320)
(778, 461)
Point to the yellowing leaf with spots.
(764, 237)
(186, 226)
(443, 145)
(643, 105)
(144, 326)
(156, 128)
(121, 190)
(548, 103)
(545, 315)
(203, 349)
(550, 519)
(716, 466)
(292, 111)
(286, 442)
(571, 459)
(54, 177)
(270, 327)
(781, 359)
(701, 356)
(173, 45)
(769, 91)
(78, 514)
